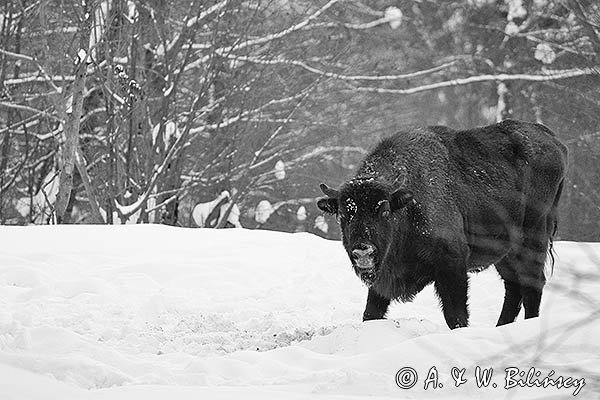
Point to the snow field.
(94, 312)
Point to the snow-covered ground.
(150, 312)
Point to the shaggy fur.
(430, 204)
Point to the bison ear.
(400, 199)
(328, 204)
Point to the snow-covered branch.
(280, 34)
(246, 114)
(40, 79)
(22, 107)
(316, 152)
(44, 78)
(16, 55)
(541, 77)
(304, 65)
(225, 51)
(267, 143)
(189, 27)
(590, 28)
(129, 210)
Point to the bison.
(430, 204)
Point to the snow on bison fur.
(431, 204)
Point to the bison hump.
(520, 141)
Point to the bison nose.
(365, 251)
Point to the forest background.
(115, 111)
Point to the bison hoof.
(370, 317)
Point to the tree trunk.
(6, 142)
(89, 188)
(503, 109)
(72, 125)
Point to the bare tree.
(184, 100)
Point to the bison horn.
(329, 191)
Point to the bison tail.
(552, 225)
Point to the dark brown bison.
(431, 204)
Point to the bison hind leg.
(512, 290)
(524, 281)
(523, 273)
(537, 239)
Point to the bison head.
(367, 211)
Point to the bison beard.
(431, 204)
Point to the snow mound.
(95, 312)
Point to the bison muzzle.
(431, 204)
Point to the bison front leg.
(451, 285)
(376, 307)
